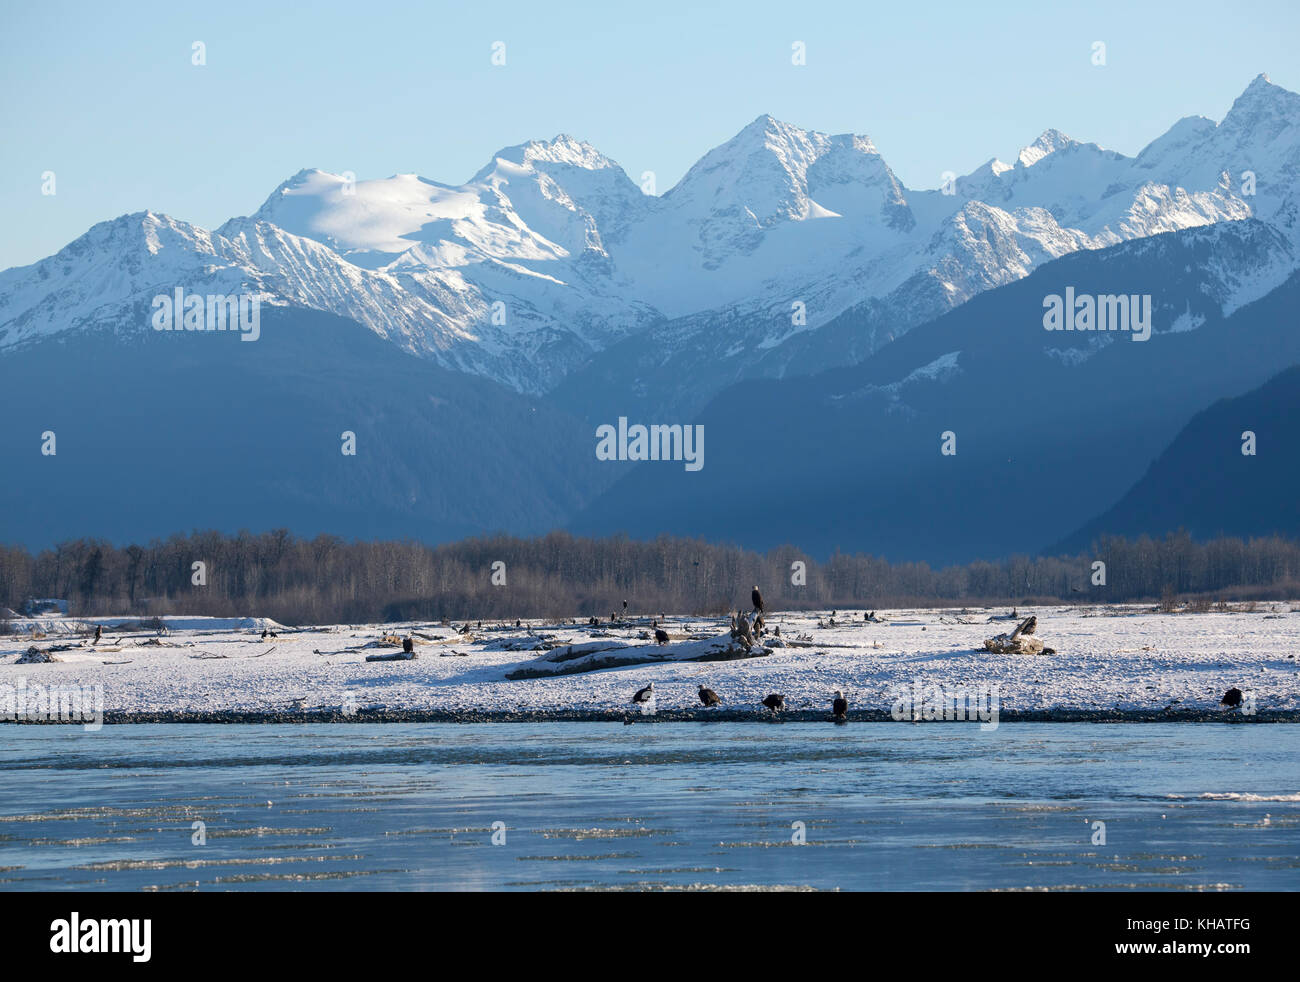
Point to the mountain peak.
(1048, 143)
(757, 175)
(563, 149)
(763, 123)
(306, 181)
(306, 176)
(1261, 92)
(770, 130)
(1263, 109)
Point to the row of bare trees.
(326, 579)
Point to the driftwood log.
(393, 656)
(592, 656)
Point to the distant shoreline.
(617, 717)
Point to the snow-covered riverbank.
(1126, 660)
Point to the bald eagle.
(1231, 698)
(757, 598)
(408, 646)
(839, 705)
(661, 635)
(709, 697)
(774, 702)
(99, 632)
(645, 698)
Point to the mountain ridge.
(551, 256)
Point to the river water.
(882, 806)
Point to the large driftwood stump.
(1005, 644)
(742, 631)
(1019, 641)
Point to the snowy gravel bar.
(1106, 663)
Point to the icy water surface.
(662, 806)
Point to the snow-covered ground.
(1126, 658)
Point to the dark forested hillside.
(327, 580)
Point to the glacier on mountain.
(550, 254)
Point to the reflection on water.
(665, 806)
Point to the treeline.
(325, 579)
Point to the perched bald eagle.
(661, 635)
(99, 632)
(1231, 698)
(645, 698)
(839, 705)
(408, 645)
(774, 702)
(709, 697)
(757, 598)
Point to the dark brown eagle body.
(644, 695)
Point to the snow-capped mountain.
(550, 262)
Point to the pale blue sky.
(109, 101)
